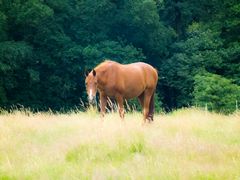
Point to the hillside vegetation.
(186, 144)
(47, 45)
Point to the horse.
(121, 82)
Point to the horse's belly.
(133, 91)
(133, 87)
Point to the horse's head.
(91, 86)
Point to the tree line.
(46, 45)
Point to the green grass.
(186, 144)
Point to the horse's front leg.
(120, 106)
(103, 103)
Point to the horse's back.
(133, 79)
(145, 71)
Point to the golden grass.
(186, 144)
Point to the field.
(185, 144)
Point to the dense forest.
(46, 45)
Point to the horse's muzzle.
(92, 100)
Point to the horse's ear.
(87, 72)
(94, 72)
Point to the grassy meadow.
(185, 144)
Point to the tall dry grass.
(186, 144)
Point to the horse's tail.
(151, 107)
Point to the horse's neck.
(102, 75)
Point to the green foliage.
(45, 46)
(3, 26)
(139, 23)
(32, 13)
(200, 51)
(218, 93)
(158, 105)
(231, 58)
(14, 57)
(95, 54)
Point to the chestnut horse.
(121, 82)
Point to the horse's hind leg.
(141, 99)
(151, 108)
(147, 98)
(120, 106)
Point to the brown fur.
(124, 82)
